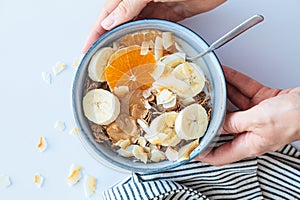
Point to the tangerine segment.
(127, 67)
(138, 77)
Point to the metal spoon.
(252, 21)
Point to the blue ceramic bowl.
(192, 44)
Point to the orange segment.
(127, 67)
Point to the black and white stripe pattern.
(275, 175)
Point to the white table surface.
(34, 35)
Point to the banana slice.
(96, 68)
(191, 122)
(173, 59)
(192, 75)
(101, 107)
(163, 129)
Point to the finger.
(97, 30)
(237, 98)
(125, 11)
(229, 152)
(246, 85)
(242, 121)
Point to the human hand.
(268, 119)
(116, 12)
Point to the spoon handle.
(232, 34)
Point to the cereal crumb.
(5, 181)
(38, 180)
(47, 78)
(42, 144)
(60, 125)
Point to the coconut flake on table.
(60, 125)
(76, 61)
(5, 181)
(47, 78)
(89, 185)
(42, 144)
(38, 180)
(58, 68)
(74, 175)
(74, 131)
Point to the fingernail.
(107, 22)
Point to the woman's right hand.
(267, 120)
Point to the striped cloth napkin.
(274, 175)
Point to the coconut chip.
(166, 98)
(126, 152)
(171, 154)
(58, 68)
(142, 141)
(157, 155)
(74, 131)
(47, 78)
(145, 48)
(5, 181)
(158, 48)
(185, 151)
(42, 145)
(139, 153)
(167, 40)
(74, 175)
(60, 125)
(38, 180)
(123, 144)
(159, 70)
(76, 61)
(89, 185)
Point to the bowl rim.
(83, 136)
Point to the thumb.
(125, 11)
(240, 121)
